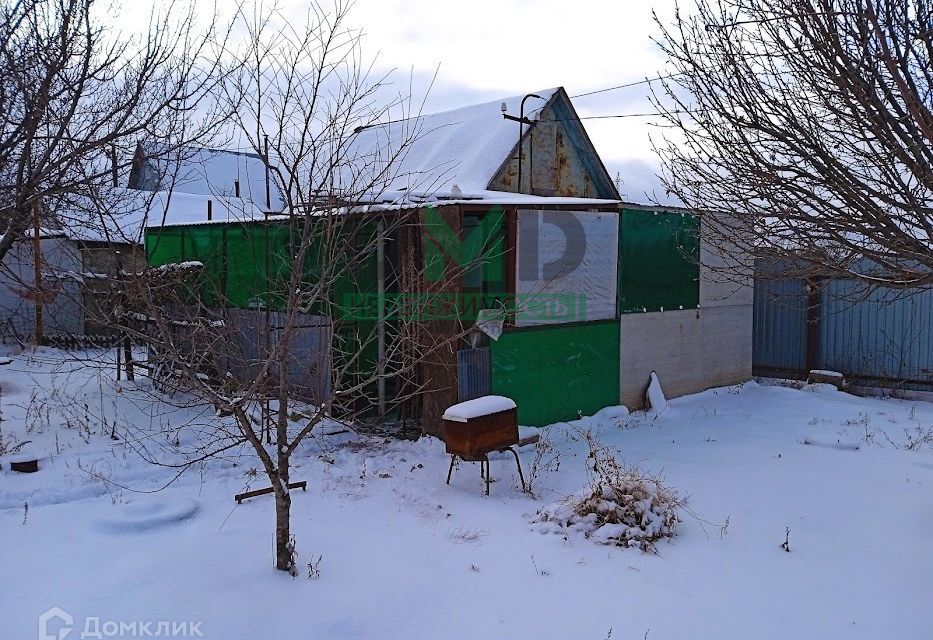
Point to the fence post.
(814, 288)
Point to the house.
(87, 239)
(206, 172)
(594, 293)
(82, 247)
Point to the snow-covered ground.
(403, 555)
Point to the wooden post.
(381, 318)
(813, 290)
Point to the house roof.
(464, 147)
(120, 215)
(208, 172)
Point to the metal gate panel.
(473, 373)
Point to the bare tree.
(810, 121)
(300, 330)
(76, 95)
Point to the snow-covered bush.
(620, 505)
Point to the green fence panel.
(249, 265)
(658, 261)
(206, 245)
(164, 246)
(555, 373)
(257, 264)
(182, 244)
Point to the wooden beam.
(240, 497)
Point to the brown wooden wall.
(433, 342)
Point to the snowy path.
(405, 556)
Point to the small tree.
(811, 121)
(305, 333)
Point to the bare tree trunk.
(283, 546)
(128, 357)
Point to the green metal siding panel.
(205, 244)
(659, 257)
(554, 373)
(248, 265)
(164, 246)
(181, 244)
(257, 264)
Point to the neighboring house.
(63, 312)
(88, 246)
(206, 172)
(88, 242)
(636, 290)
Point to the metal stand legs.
(521, 476)
(484, 471)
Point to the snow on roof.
(464, 147)
(405, 200)
(210, 172)
(120, 215)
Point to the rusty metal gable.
(558, 157)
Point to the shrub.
(620, 505)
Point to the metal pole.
(521, 116)
(267, 331)
(381, 317)
(113, 165)
(37, 282)
(521, 121)
(268, 193)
